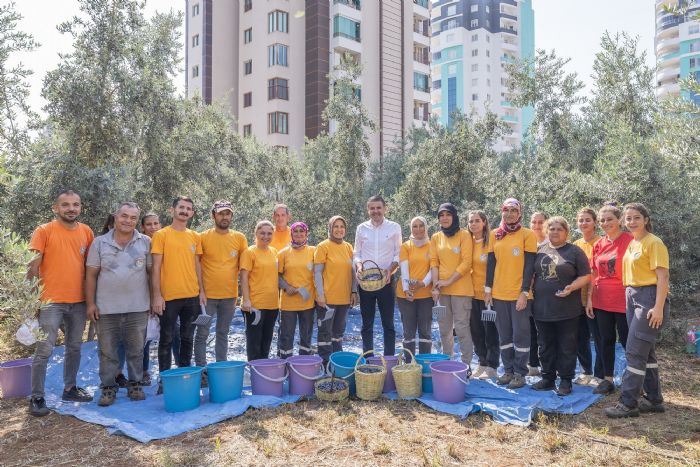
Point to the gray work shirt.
(122, 283)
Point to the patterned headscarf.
(303, 227)
(331, 221)
(504, 229)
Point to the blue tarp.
(147, 420)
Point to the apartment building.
(472, 41)
(677, 47)
(270, 61)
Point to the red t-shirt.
(606, 262)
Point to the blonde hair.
(557, 220)
(262, 224)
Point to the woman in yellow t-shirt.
(336, 288)
(451, 268)
(413, 294)
(259, 286)
(645, 273)
(296, 279)
(484, 333)
(509, 271)
(592, 372)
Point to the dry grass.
(381, 433)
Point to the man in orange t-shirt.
(61, 247)
(282, 235)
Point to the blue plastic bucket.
(225, 380)
(697, 344)
(342, 365)
(181, 388)
(449, 381)
(425, 359)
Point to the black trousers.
(484, 336)
(187, 310)
(557, 341)
(258, 338)
(534, 360)
(609, 322)
(586, 328)
(369, 301)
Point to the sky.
(572, 28)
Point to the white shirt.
(380, 244)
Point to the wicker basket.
(369, 385)
(408, 377)
(371, 279)
(332, 396)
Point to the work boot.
(605, 388)
(37, 407)
(504, 379)
(109, 395)
(543, 385)
(564, 388)
(647, 406)
(620, 410)
(76, 394)
(517, 382)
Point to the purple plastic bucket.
(304, 371)
(449, 381)
(391, 362)
(267, 376)
(16, 378)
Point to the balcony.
(668, 90)
(506, 104)
(510, 118)
(356, 4)
(421, 55)
(508, 16)
(420, 8)
(665, 46)
(511, 46)
(666, 74)
(509, 30)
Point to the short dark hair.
(128, 204)
(147, 215)
(65, 192)
(187, 199)
(376, 198)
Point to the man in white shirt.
(378, 240)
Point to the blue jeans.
(72, 316)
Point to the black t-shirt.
(555, 268)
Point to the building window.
(277, 55)
(449, 24)
(488, 68)
(247, 99)
(277, 123)
(451, 98)
(247, 67)
(488, 38)
(488, 53)
(195, 71)
(451, 10)
(475, 37)
(248, 5)
(475, 67)
(277, 88)
(694, 29)
(475, 23)
(475, 8)
(195, 40)
(488, 82)
(449, 38)
(278, 20)
(247, 130)
(421, 82)
(451, 54)
(345, 27)
(475, 81)
(475, 52)
(475, 97)
(694, 62)
(437, 55)
(437, 84)
(693, 46)
(451, 69)
(195, 9)
(247, 35)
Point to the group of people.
(524, 296)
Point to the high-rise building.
(472, 41)
(677, 47)
(270, 60)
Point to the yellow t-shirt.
(418, 258)
(481, 256)
(281, 240)
(297, 268)
(220, 256)
(337, 272)
(510, 259)
(178, 276)
(450, 254)
(641, 260)
(587, 248)
(262, 277)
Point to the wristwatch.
(487, 289)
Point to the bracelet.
(487, 289)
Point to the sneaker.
(479, 371)
(620, 410)
(516, 382)
(504, 379)
(605, 388)
(76, 394)
(564, 388)
(135, 391)
(533, 371)
(37, 407)
(543, 385)
(489, 373)
(121, 380)
(647, 406)
(109, 395)
(595, 381)
(146, 381)
(583, 379)
(205, 379)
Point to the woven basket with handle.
(371, 279)
(408, 377)
(369, 385)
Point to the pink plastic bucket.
(304, 371)
(16, 378)
(267, 376)
(449, 381)
(391, 361)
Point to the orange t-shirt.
(281, 240)
(62, 268)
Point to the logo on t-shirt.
(82, 250)
(309, 266)
(140, 262)
(455, 249)
(636, 255)
(483, 257)
(193, 247)
(233, 253)
(516, 251)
